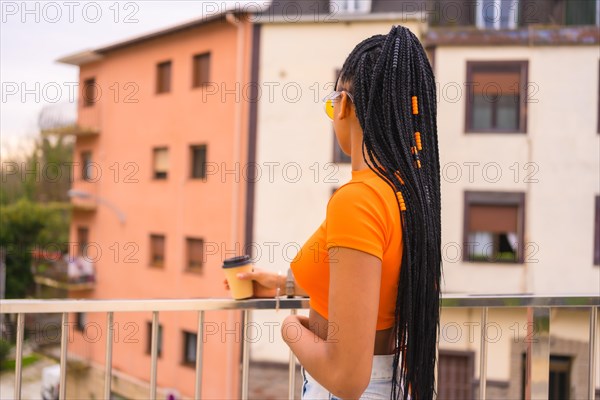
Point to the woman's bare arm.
(343, 362)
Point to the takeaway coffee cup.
(232, 266)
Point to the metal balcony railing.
(539, 307)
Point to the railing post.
(592, 356)
(538, 353)
(292, 377)
(108, 355)
(64, 335)
(483, 354)
(154, 355)
(19, 354)
(199, 355)
(245, 356)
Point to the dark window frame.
(469, 356)
(339, 157)
(196, 269)
(159, 175)
(152, 254)
(199, 81)
(597, 232)
(192, 148)
(503, 66)
(495, 199)
(163, 84)
(556, 364)
(149, 339)
(80, 321)
(85, 156)
(89, 85)
(82, 245)
(184, 360)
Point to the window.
(559, 379)
(157, 250)
(80, 321)
(161, 162)
(198, 164)
(189, 348)
(195, 253)
(494, 227)
(455, 375)
(455, 13)
(497, 14)
(560, 12)
(560, 371)
(597, 233)
(496, 96)
(201, 69)
(163, 77)
(149, 337)
(581, 12)
(86, 165)
(83, 234)
(338, 155)
(350, 6)
(90, 92)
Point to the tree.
(25, 225)
(44, 173)
(34, 205)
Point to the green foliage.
(27, 360)
(26, 224)
(43, 175)
(4, 350)
(34, 206)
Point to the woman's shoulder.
(372, 193)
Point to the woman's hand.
(264, 282)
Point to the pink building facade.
(160, 200)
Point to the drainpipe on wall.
(237, 151)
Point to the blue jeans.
(380, 386)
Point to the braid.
(395, 100)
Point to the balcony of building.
(87, 124)
(512, 22)
(59, 275)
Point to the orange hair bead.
(401, 201)
(415, 105)
(418, 140)
(398, 176)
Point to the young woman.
(372, 269)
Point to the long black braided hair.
(395, 101)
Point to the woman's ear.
(345, 106)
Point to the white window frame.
(497, 4)
(350, 6)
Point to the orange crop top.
(362, 214)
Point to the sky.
(34, 34)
